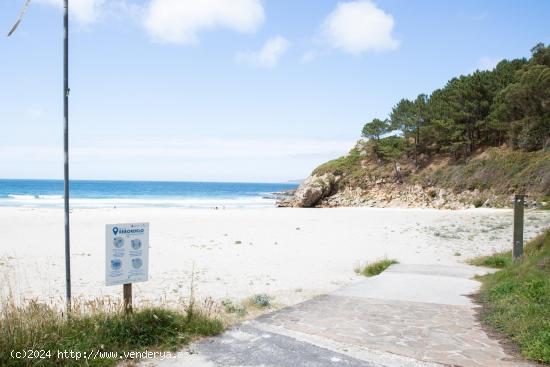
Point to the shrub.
(261, 300)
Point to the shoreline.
(135, 194)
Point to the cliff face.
(488, 179)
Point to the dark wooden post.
(127, 294)
(519, 202)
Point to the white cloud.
(487, 63)
(268, 56)
(179, 21)
(309, 56)
(120, 9)
(359, 26)
(84, 11)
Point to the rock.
(312, 191)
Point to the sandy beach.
(290, 254)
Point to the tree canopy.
(509, 104)
(375, 129)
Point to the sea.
(101, 194)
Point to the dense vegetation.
(517, 298)
(507, 105)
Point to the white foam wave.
(50, 197)
(22, 197)
(204, 202)
(34, 197)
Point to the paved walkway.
(410, 315)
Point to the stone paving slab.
(409, 316)
(428, 332)
(446, 285)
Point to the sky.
(240, 90)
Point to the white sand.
(291, 254)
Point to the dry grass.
(98, 325)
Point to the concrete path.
(410, 315)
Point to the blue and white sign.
(126, 253)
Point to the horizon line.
(151, 180)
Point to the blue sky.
(241, 90)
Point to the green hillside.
(487, 132)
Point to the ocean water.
(91, 194)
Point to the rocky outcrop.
(323, 191)
(489, 178)
(413, 196)
(312, 191)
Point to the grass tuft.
(233, 308)
(375, 268)
(498, 260)
(501, 260)
(546, 202)
(516, 299)
(260, 300)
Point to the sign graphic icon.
(116, 264)
(136, 244)
(115, 230)
(118, 242)
(137, 263)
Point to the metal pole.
(517, 251)
(66, 151)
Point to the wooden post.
(127, 294)
(519, 202)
